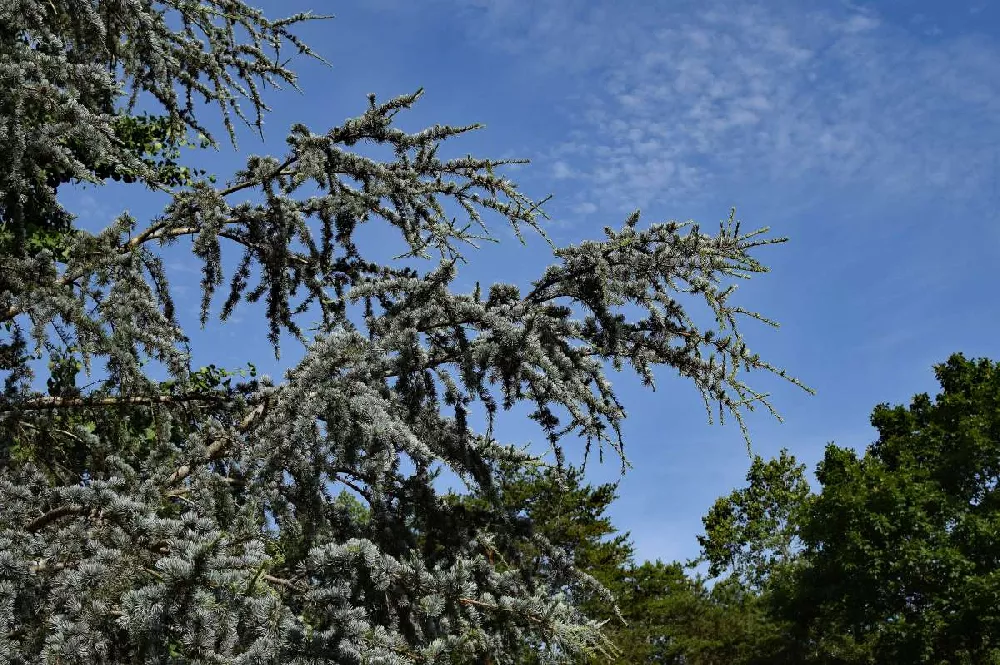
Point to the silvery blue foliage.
(204, 519)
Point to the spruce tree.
(201, 518)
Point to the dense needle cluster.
(203, 519)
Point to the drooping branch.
(217, 449)
(321, 159)
(59, 403)
(386, 395)
(47, 518)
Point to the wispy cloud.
(774, 94)
(88, 204)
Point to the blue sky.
(868, 133)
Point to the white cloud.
(88, 204)
(764, 95)
(860, 23)
(184, 265)
(561, 170)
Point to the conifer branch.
(47, 518)
(218, 448)
(57, 403)
(384, 394)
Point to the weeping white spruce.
(203, 519)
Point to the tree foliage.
(893, 561)
(658, 612)
(902, 543)
(203, 518)
(755, 528)
(557, 518)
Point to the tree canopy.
(202, 517)
(755, 528)
(894, 558)
(901, 544)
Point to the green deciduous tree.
(756, 528)
(901, 547)
(203, 519)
